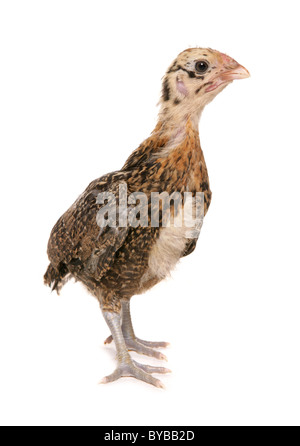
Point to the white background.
(79, 85)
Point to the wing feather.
(78, 242)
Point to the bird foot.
(143, 347)
(136, 370)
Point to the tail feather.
(56, 278)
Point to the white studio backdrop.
(79, 84)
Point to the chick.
(93, 241)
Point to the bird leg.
(132, 342)
(126, 365)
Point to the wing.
(77, 242)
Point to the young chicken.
(116, 261)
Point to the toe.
(146, 377)
(136, 346)
(153, 344)
(151, 369)
(108, 340)
(111, 378)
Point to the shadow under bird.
(116, 262)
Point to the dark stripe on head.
(191, 74)
(166, 90)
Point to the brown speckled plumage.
(116, 263)
(120, 255)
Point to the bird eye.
(201, 66)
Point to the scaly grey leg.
(126, 366)
(132, 342)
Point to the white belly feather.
(171, 243)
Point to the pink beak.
(239, 72)
(233, 71)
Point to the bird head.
(194, 79)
